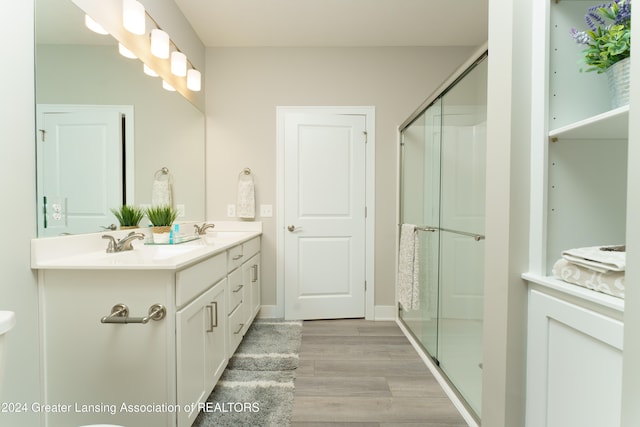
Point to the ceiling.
(337, 23)
(301, 23)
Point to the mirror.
(76, 68)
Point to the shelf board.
(600, 298)
(612, 124)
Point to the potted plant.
(608, 42)
(161, 218)
(128, 216)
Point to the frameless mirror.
(121, 129)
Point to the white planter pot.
(618, 76)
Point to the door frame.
(369, 113)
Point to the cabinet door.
(574, 372)
(251, 281)
(201, 349)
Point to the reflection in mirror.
(119, 128)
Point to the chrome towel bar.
(476, 237)
(120, 314)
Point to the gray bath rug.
(256, 389)
(269, 346)
(246, 398)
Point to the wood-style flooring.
(358, 373)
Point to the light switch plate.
(231, 210)
(181, 211)
(266, 211)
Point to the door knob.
(291, 228)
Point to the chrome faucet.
(123, 244)
(202, 228)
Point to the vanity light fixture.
(94, 26)
(178, 63)
(126, 52)
(149, 71)
(133, 17)
(194, 80)
(167, 86)
(160, 43)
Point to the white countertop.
(88, 251)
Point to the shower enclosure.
(442, 193)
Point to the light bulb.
(94, 26)
(167, 86)
(149, 71)
(133, 17)
(178, 64)
(159, 43)
(194, 80)
(126, 52)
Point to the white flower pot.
(618, 79)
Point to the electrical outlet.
(231, 210)
(266, 211)
(181, 211)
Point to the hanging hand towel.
(161, 189)
(246, 204)
(408, 268)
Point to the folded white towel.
(408, 268)
(246, 204)
(596, 259)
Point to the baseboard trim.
(384, 312)
(269, 312)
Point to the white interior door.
(324, 236)
(80, 170)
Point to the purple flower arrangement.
(608, 38)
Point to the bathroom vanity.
(141, 337)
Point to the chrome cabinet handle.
(236, 290)
(254, 271)
(241, 325)
(211, 307)
(237, 257)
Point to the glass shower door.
(419, 206)
(443, 193)
(462, 216)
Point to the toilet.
(7, 322)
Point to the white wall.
(244, 87)
(18, 290)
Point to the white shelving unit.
(578, 198)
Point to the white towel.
(161, 192)
(409, 268)
(594, 258)
(246, 204)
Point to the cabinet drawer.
(236, 328)
(241, 253)
(194, 280)
(234, 257)
(236, 290)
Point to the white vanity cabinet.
(140, 374)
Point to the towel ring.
(160, 172)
